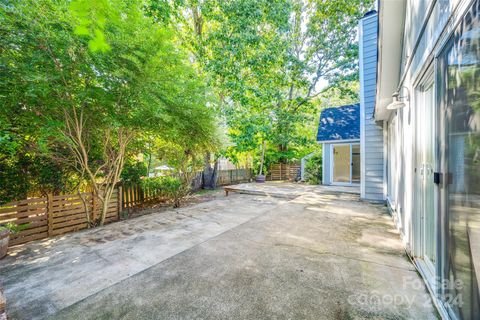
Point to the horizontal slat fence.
(226, 177)
(31, 211)
(55, 215)
(284, 171)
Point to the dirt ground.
(318, 256)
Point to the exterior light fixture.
(399, 101)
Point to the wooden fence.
(284, 171)
(135, 198)
(226, 177)
(55, 215)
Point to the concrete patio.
(288, 190)
(322, 255)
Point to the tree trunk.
(264, 143)
(208, 172)
(213, 180)
(149, 164)
(113, 156)
(104, 210)
(85, 206)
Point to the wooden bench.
(227, 190)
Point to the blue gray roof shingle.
(339, 123)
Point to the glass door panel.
(424, 168)
(460, 88)
(355, 163)
(429, 162)
(341, 163)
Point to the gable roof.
(339, 123)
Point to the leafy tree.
(88, 85)
(96, 78)
(270, 60)
(240, 62)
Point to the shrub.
(313, 169)
(170, 188)
(133, 171)
(13, 228)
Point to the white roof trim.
(391, 20)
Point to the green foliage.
(167, 187)
(26, 169)
(269, 60)
(313, 169)
(133, 171)
(13, 228)
(109, 68)
(121, 72)
(92, 16)
(340, 94)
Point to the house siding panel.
(326, 163)
(432, 32)
(372, 162)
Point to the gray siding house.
(339, 133)
(371, 131)
(420, 139)
(353, 145)
(428, 99)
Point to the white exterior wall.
(400, 172)
(371, 132)
(428, 27)
(420, 45)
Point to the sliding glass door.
(459, 76)
(425, 164)
(341, 163)
(346, 163)
(355, 163)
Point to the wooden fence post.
(94, 202)
(50, 214)
(120, 200)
